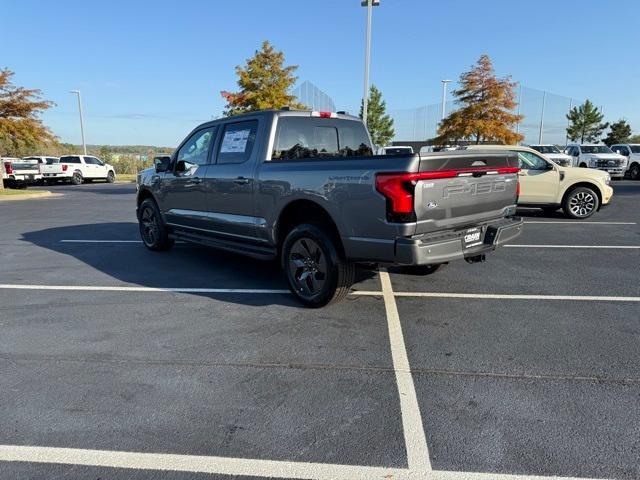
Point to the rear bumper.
(441, 248)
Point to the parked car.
(19, 173)
(580, 192)
(78, 168)
(553, 153)
(632, 153)
(304, 187)
(395, 150)
(598, 156)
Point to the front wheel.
(111, 177)
(152, 230)
(316, 271)
(580, 203)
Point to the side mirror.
(162, 164)
(575, 154)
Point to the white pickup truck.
(632, 152)
(77, 169)
(598, 156)
(19, 173)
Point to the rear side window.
(237, 142)
(304, 138)
(70, 160)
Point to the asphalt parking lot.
(117, 362)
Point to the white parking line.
(603, 247)
(414, 437)
(498, 296)
(576, 222)
(194, 463)
(102, 288)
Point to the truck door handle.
(241, 180)
(194, 181)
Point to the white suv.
(598, 156)
(632, 152)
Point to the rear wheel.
(152, 230)
(580, 203)
(76, 178)
(316, 271)
(634, 172)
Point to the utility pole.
(84, 145)
(367, 55)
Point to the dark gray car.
(306, 187)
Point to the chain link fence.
(544, 119)
(314, 98)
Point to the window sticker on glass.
(235, 141)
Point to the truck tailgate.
(53, 168)
(461, 189)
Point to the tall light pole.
(544, 101)
(367, 55)
(84, 145)
(444, 97)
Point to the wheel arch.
(593, 186)
(304, 211)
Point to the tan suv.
(580, 192)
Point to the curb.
(28, 196)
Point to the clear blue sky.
(150, 71)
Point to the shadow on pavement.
(184, 266)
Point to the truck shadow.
(184, 266)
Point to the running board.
(255, 251)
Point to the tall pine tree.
(487, 103)
(620, 132)
(264, 83)
(585, 123)
(380, 124)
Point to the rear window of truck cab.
(70, 160)
(299, 138)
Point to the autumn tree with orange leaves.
(487, 105)
(21, 130)
(264, 83)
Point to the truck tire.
(153, 232)
(634, 171)
(111, 177)
(76, 178)
(580, 203)
(317, 273)
(420, 270)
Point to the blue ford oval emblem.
(432, 205)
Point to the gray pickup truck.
(306, 188)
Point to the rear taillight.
(8, 168)
(398, 188)
(64, 168)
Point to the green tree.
(619, 132)
(634, 139)
(264, 83)
(380, 124)
(585, 123)
(487, 103)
